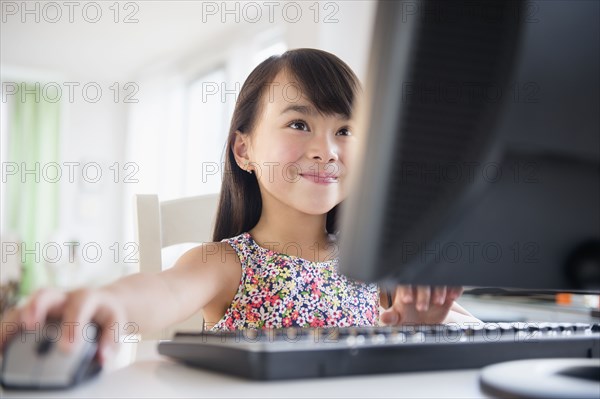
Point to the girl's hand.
(74, 309)
(420, 305)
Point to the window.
(209, 101)
(206, 132)
(275, 48)
(3, 158)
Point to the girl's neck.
(281, 227)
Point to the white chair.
(162, 224)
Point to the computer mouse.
(33, 360)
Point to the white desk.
(155, 376)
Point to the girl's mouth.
(320, 178)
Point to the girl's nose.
(323, 149)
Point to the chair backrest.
(162, 224)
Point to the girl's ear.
(240, 149)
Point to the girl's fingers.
(76, 310)
(389, 317)
(111, 319)
(454, 293)
(404, 294)
(43, 304)
(44, 301)
(108, 342)
(77, 316)
(439, 295)
(426, 304)
(423, 298)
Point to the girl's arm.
(158, 300)
(151, 301)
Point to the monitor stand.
(543, 378)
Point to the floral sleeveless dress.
(278, 290)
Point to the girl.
(270, 265)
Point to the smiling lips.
(324, 178)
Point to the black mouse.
(32, 359)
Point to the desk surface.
(155, 376)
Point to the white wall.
(344, 29)
(92, 212)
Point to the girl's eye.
(344, 132)
(299, 125)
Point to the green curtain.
(32, 198)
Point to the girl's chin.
(306, 201)
(315, 210)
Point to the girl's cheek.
(348, 158)
(279, 164)
(286, 153)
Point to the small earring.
(246, 168)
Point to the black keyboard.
(304, 353)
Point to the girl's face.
(299, 156)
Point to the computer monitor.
(481, 160)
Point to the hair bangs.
(325, 80)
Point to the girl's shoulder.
(211, 254)
(214, 273)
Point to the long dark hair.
(326, 81)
